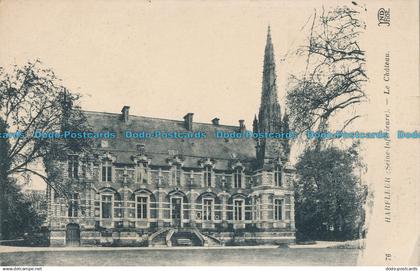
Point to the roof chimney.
(215, 121)
(188, 121)
(125, 111)
(242, 125)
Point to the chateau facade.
(168, 192)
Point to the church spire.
(269, 116)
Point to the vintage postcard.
(209, 133)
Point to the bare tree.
(335, 71)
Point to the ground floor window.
(278, 209)
(142, 207)
(207, 209)
(106, 206)
(74, 206)
(237, 210)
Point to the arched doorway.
(73, 235)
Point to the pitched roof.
(193, 150)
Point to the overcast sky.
(163, 59)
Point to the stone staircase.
(210, 241)
(168, 237)
(158, 238)
(186, 237)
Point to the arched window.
(277, 176)
(238, 178)
(207, 176)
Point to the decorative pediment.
(176, 160)
(206, 162)
(236, 164)
(107, 156)
(141, 159)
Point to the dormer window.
(73, 167)
(277, 176)
(238, 178)
(207, 176)
(176, 175)
(107, 172)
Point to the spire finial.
(268, 36)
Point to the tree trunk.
(2, 205)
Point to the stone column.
(292, 212)
(160, 212)
(192, 199)
(125, 206)
(265, 212)
(224, 212)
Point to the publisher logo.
(384, 17)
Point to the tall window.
(207, 176)
(278, 208)
(74, 206)
(106, 206)
(207, 209)
(84, 170)
(107, 172)
(238, 178)
(237, 210)
(176, 175)
(142, 207)
(73, 167)
(277, 176)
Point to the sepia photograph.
(209, 133)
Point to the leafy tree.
(329, 196)
(33, 100)
(19, 215)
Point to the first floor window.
(207, 176)
(237, 210)
(142, 207)
(106, 206)
(176, 175)
(74, 206)
(207, 209)
(278, 209)
(106, 172)
(73, 167)
(238, 178)
(277, 176)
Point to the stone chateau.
(180, 192)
